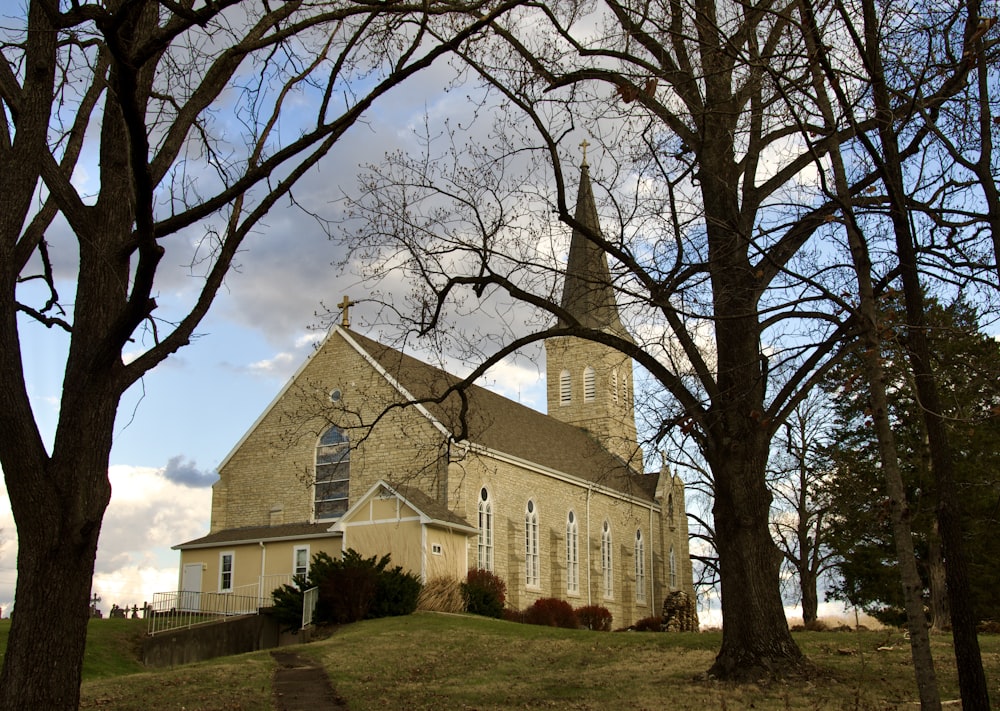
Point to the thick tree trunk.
(940, 614)
(756, 641)
(810, 599)
(44, 658)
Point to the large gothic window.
(565, 393)
(485, 559)
(640, 567)
(607, 563)
(572, 554)
(589, 384)
(333, 474)
(532, 575)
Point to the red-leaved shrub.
(594, 617)
(551, 612)
(648, 624)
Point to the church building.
(369, 448)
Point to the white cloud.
(148, 513)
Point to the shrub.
(484, 593)
(350, 589)
(348, 592)
(648, 624)
(594, 617)
(551, 612)
(287, 607)
(512, 615)
(442, 595)
(396, 593)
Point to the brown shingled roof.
(253, 534)
(505, 426)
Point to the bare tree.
(719, 221)
(197, 118)
(799, 469)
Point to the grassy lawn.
(428, 661)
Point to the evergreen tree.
(967, 364)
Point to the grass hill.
(433, 661)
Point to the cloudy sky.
(176, 426)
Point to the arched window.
(589, 384)
(614, 385)
(485, 530)
(333, 474)
(565, 392)
(572, 554)
(673, 569)
(640, 567)
(607, 564)
(670, 510)
(531, 565)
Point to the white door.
(190, 595)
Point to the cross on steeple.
(584, 145)
(345, 306)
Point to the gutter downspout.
(260, 580)
(652, 572)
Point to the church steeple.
(589, 384)
(587, 291)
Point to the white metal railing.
(263, 588)
(309, 598)
(187, 608)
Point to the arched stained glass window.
(607, 562)
(532, 576)
(485, 560)
(640, 567)
(572, 554)
(333, 474)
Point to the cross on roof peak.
(345, 307)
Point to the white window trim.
(485, 543)
(640, 567)
(532, 567)
(607, 562)
(572, 555)
(295, 557)
(232, 569)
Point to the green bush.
(551, 612)
(594, 617)
(484, 593)
(397, 593)
(350, 589)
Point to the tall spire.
(588, 293)
(589, 384)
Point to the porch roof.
(261, 534)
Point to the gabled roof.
(504, 426)
(256, 534)
(431, 512)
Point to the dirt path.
(300, 684)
